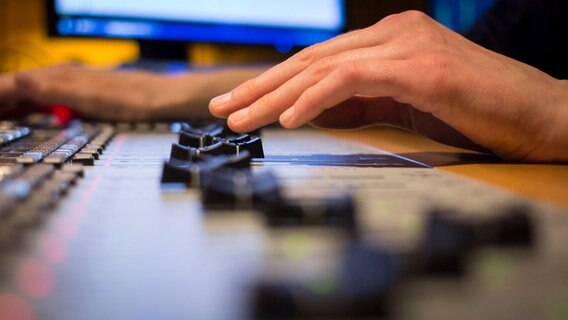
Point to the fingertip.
(237, 120)
(215, 112)
(234, 126)
(287, 119)
(290, 125)
(219, 104)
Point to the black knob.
(254, 146)
(175, 173)
(191, 140)
(447, 242)
(182, 152)
(238, 189)
(513, 228)
(361, 287)
(240, 161)
(338, 211)
(219, 148)
(214, 130)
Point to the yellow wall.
(24, 44)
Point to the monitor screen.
(283, 23)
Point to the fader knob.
(513, 228)
(172, 173)
(182, 152)
(446, 243)
(240, 161)
(219, 148)
(360, 288)
(254, 146)
(191, 140)
(239, 189)
(338, 211)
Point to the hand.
(122, 96)
(410, 71)
(8, 95)
(102, 94)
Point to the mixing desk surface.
(193, 221)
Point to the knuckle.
(308, 98)
(246, 89)
(306, 56)
(415, 16)
(269, 100)
(424, 40)
(322, 66)
(350, 72)
(393, 18)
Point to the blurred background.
(25, 44)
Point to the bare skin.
(408, 70)
(121, 96)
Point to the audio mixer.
(193, 221)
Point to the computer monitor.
(284, 24)
(459, 15)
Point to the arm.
(8, 95)
(122, 96)
(410, 71)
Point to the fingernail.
(286, 117)
(239, 115)
(221, 100)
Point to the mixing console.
(101, 221)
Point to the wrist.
(555, 139)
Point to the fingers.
(254, 89)
(269, 107)
(55, 85)
(367, 78)
(247, 93)
(345, 82)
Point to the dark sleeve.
(532, 31)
